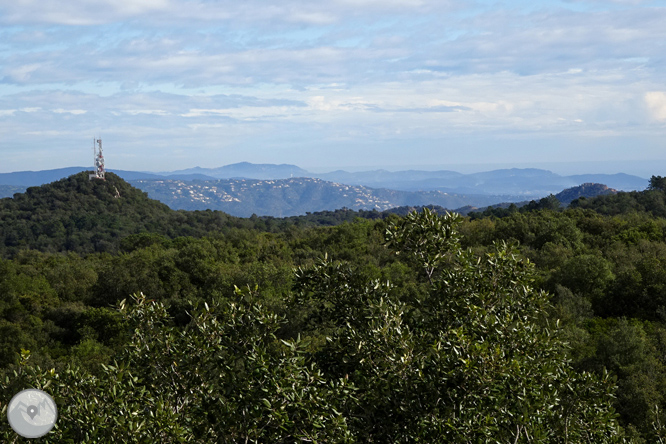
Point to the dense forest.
(539, 324)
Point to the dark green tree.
(657, 183)
(226, 378)
(475, 360)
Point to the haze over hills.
(528, 182)
(522, 181)
(246, 170)
(265, 189)
(294, 196)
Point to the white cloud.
(75, 112)
(184, 73)
(91, 12)
(383, 3)
(364, 50)
(313, 18)
(23, 73)
(156, 112)
(78, 12)
(618, 2)
(656, 102)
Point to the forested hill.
(652, 201)
(84, 216)
(80, 215)
(586, 190)
(596, 197)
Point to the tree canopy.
(535, 325)
(471, 359)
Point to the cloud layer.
(176, 83)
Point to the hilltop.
(559, 200)
(586, 190)
(77, 214)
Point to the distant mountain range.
(244, 189)
(527, 181)
(290, 197)
(245, 170)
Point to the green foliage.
(451, 337)
(631, 351)
(113, 407)
(478, 364)
(231, 377)
(652, 201)
(468, 357)
(225, 378)
(546, 203)
(585, 274)
(657, 183)
(428, 238)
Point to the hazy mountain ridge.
(36, 178)
(196, 189)
(290, 197)
(265, 171)
(529, 183)
(565, 197)
(523, 183)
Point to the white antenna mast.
(98, 160)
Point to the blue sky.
(171, 84)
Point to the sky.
(352, 84)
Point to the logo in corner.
(32, 413)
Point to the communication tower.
(98, 160)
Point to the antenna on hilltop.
(98, 160)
